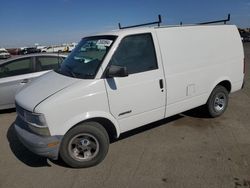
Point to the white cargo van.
(143, 75)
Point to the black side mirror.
(116, 71)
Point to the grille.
(20, 111)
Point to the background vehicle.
(246, 37)
(72, 46)
(4, 54)
(53, 49)
(14, 51)
(15, 73)
(30, 50)
(40, 47)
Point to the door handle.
(24, 81)
(161, 84)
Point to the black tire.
(217, 102)
(89, 137)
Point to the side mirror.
(116, 71)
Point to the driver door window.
(137, 53)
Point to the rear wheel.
(85, 145)
(218, 101)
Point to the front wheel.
(218, 101)
(85, 145)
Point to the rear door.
(139, 98)
(13, 76)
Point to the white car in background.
(53, 49)
(4, 54)
(16, 72)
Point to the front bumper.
(46, 146)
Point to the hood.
(41, 88)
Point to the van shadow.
(7, 111)
(34, 160)
(148, 127)
(22, 153)
(199, 112)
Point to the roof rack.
(212, 22)
(145, 24)
(218, 21)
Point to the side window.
(137, 53)
(48, 63)
(16, 67)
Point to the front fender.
(89, 115)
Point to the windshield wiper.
(88, 76)
(70, 72)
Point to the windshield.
(85, 60)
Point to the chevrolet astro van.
(120, 80)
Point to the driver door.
(140, 97)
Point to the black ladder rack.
(145, 24)
(160, 21)
(213, 22)
(218, 21)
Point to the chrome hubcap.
(219, 102)
(83, 147)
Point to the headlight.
(37, 123)
(37, 120)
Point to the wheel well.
(107, 124)
(226, 84)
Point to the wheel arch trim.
(220, 80)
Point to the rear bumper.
(38, 144)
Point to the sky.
(47, 22)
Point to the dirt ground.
(184, 151)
